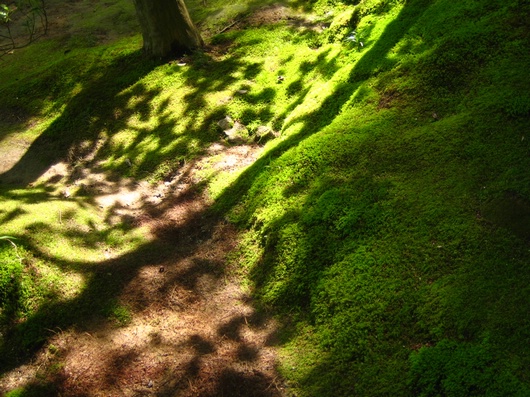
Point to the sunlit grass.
(70, 230)
(387, 220)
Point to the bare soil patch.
(274, 14)
(194, 330)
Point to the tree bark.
(166, 27)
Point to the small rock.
(226, 123)
(225, 100)
(263, 134)
(128, 162)
(181, 64)
(237, 133)
(150, 384)
(242, 92)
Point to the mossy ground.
(386, 227)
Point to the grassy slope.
(388, 225)
(393, 219)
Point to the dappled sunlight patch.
(72, 232)
(385, 220)
(59, 285)
(225, 164)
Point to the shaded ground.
(193, 332)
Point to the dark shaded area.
(512, 212)
(232, 383)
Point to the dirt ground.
(194, 329)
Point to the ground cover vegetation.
(386, 227)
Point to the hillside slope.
(384, 226)
(392, 222)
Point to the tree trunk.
(166, 27)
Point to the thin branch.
(34, 19)
(228, 27)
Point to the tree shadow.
(181, 272)
(75, 133)
(181, 226)
(371, 63)
(187, 273)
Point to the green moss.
(387, 227)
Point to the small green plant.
(20, 392)
(13, 288)
(5, 13)
(21, 24)
(10, 240)
(353, 38)
(33, 390)
(118, 314)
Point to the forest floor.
(377, 244)
(194, 330)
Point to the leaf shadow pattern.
(76, 132)
(191, 331)
(175, 273)
(217, 361)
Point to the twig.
(55, 332)
(9, 238)
(31, 16)
(275, 385)
(228, 27)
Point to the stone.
(226, 123)
(238, 133)
(264, 134)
